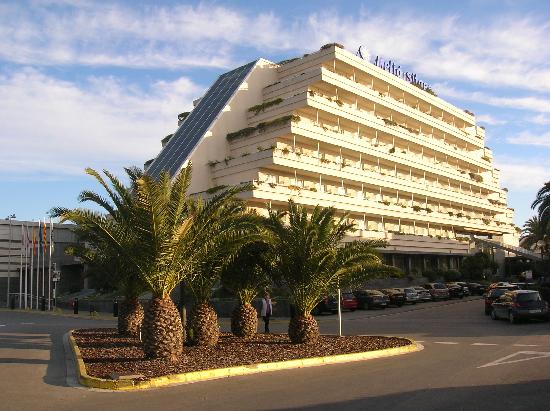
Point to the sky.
(98, 84)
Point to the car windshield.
(497, 293)
(375, 293)
(528, 297)
(347, 295)
(439, 286)
(410, 290)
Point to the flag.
(33, 241)
(44, 237)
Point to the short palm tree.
(312, 261)
(542, 202)
(534, 233)
(229, 227)
(247, 276)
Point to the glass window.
(528, 297)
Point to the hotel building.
(334, 129)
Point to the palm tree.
(246, 277)
(97, 250)
(543, 203)
(535, 233)
(229, 227)
(312, 261)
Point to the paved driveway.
(469, 362)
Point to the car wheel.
(494, 315)
(512, 318)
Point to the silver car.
(411, 295)
(423, 294)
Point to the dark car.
(476, 288)
(465, 288)
(455, 290)
(423, 294)
(438, 291)
(369, 299)
(519, 305)
(396, 297)
(495, 293)
(329, 304)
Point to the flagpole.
(32, 265)
(38, 247)
(26, 264)
(44, 259)
(50, 266)
(21, 266)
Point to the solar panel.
(198, 122)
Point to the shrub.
(329, 45)
(417, 208)
(262, 107)
(451, 275)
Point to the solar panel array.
(198, 122)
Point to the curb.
(205, 375)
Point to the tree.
(228, 227)
(311, 261)
(542, 202)
(534, 233)
(246, 277)
(473, 266)
(107, 264)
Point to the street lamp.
(9, 218)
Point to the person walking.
(267, 310)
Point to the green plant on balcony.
(429, 90)
(428, 210)
(486, 221)
(313, 189)
(450, 213)
(476, 177)
(389, 122)
(339, 102)
(344, 163)
(324, 160)
(283, 62)
(468, 217)
(403, 205)
(381, 94)
(272, 147)
(245, 154)
(469, 112)
(403, 151)
(392, 150)
(213, 163)
(385, 202)
(260, 148)
(329, 45)
(264, 106)
(460, 215)
(272, 185)
(486, 158)
(261, 127)
(294, 187)
(417, 208)
(213, 190)
(285, 151)
(439, 237)
(227, 159)
(311, 93)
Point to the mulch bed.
(106, 353)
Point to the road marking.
(533, 355)
(445, 342)
(26, 323)
(481, 344)
(3, 325)
(525, 345)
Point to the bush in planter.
(451, 275)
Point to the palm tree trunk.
(130, 317)
(162, 332)
(203, 327)
(244, 321)
(303, 329)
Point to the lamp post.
(9, 218)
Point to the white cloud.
(540, 119)
(527, 138)
(489, 119)
(522, 175)
(52, 127)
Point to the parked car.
(464, 288)
(455, 290)
(326, 305)
(438, 291)
(349, 302)
(519, 305)
(476, 288)
(423, 294)
(411, 296)
(396, 297)
(495, 293)
(369, 299)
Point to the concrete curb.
(196, 376)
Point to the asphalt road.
(469, 362)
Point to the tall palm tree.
(542, 201)
(312, 261)
(229, 227)
(534, 233)
(246, 277)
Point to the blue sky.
(91, 83)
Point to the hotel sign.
(394, 69)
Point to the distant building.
(13, 261)
(333, 129)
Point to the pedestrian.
(267, 310)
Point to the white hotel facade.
(333, 129)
